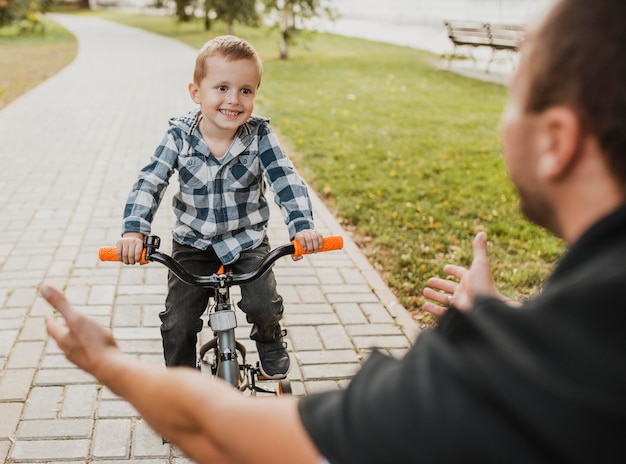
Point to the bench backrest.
(507, 36)
(502, 36)
(467, 32)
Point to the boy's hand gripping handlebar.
(152, 242)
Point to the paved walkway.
(70, 150)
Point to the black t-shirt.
(541, 383)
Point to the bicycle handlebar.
(333, 242)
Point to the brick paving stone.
(318, 386)
(350, 313)
(377, 313)
(21, 297)
(10, 414)
(127, 316)
(310, 319)
(8, 337)
(352, 276)
(48, 450)
(327, 356)
(381, 341)
(79, 401)
(334, 337)
(289, 293)
(310, 308)
(115, 408)
(351, 297)
(8, 315)
(140, 346)
(34, 329)
(15, 384)
(311, 294)
(55, 361)
(141, 289)
(55, 429)
(329, 276)
(43, 403)
(373, 329)
(137, 333)
(305, 338)
(330, 371)
(26, 354)
(4, 449)
(62, 377)
(77, 294)
(138, 460)
(40, 307)
(112, 438)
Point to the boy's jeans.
(185, 303)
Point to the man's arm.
(208, 419)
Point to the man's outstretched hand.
(467, 283)
(84, 342)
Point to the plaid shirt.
(221, 202)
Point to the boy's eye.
(222, 88)
(246, 91)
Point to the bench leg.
(493, 54)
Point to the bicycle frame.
(222, 316)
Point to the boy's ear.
(194, 92)
(560, 142)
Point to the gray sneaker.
(273, 357)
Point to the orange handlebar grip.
(332, 242)
(110, 254)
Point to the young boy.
(224, 155)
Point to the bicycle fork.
(223, 322)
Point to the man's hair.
(229, 47)
(578, 59)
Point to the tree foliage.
(291, 15)
(241, 11)
(25, 12)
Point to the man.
(494, 382)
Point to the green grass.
(406, 155)
(29, 58)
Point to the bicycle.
(223, 355)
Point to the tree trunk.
(181, 12)
(283, 45)
(287, 24)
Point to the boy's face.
(226, 94)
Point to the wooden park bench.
(474, 34)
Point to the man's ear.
(194, 92)
(560, 141)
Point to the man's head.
(569, 94)
(228, 47)
(579, 59)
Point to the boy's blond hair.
(229, 47)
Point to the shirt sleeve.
(149, 189)
(290, 190)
